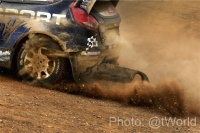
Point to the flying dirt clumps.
(166, 97)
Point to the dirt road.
(163, 39)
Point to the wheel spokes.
(37, 64)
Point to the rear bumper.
(90, 69)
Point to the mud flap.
(90, 69)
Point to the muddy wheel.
(33, 62)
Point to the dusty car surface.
(46, 40)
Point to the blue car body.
(79, 27)
(13, 28)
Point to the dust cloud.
(162, 39)
(165, 97)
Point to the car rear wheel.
(34, 64)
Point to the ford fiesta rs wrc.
(47, 40)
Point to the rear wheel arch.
(25, 37)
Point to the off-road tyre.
(34, 66)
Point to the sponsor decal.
(92, 42)
(44, 16)
(4, 53)
(93, 52)
(90, 53)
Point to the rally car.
(46, 40)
